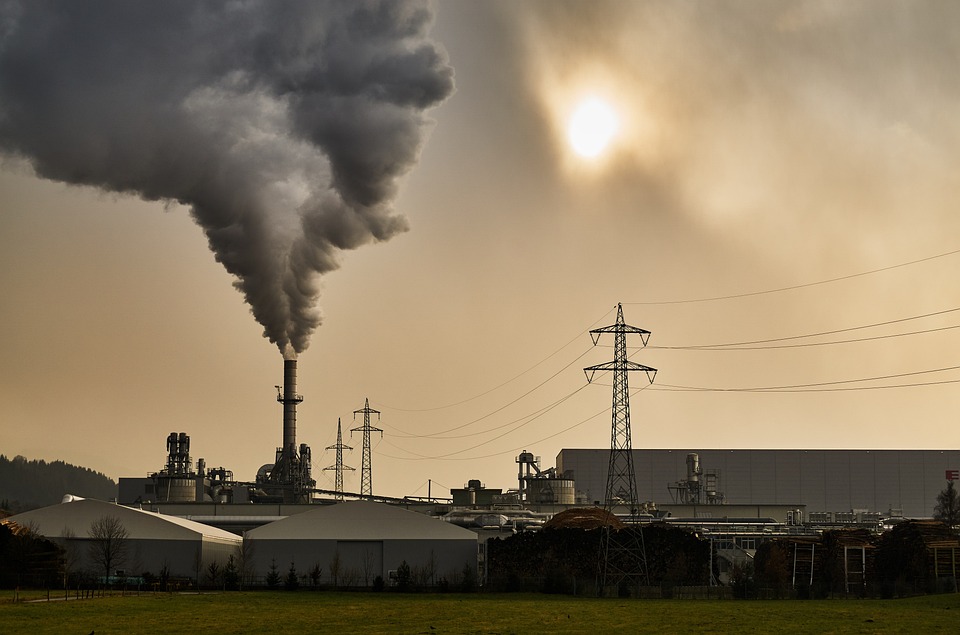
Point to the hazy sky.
(760, 146)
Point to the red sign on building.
(953, 475)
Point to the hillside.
(31, 484)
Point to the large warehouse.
(152, 541)
(354, 542)
(904, 481)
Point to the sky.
(394, 191)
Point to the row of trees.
(29, 484)
(406, 579)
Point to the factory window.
(747, 543)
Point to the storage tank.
(551, 490)
(173, 489)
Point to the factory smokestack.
(289, 399)
(289, 479)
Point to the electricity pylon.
(622, 556)
(339, 467)
(366, 476)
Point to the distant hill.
(28, 485)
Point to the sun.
(592, 127)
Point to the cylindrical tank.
(693, 467)
(551, 490)
(176, 490)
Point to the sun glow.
(592, 127)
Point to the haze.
(762, 146)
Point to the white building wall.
(362, 560)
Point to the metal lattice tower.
(339, 467)
(366, 476)
(622, 558)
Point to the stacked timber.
(917, 556)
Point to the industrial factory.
(738, 498)
(799, 486)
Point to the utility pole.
(339, 467)
(366, 477)
(622, 553)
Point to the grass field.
(305, 612)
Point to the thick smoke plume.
(283, 125)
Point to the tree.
(403, 577)
(214, 573)
(947, 509)
(315, 574)
(108, 544)
(367, 566)
(273, 576)
(335, 568)
(71, 556)
(468, 583)
(244, 553)
(291, 582)
(197, 566)
(231, 576)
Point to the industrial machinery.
(543, 486)
(699, 488)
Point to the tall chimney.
(290, 400)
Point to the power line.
(796, 286)
(724, 348)
(442, 435)
(808, 335)
(604, 411)
(508, 381)
(501, 408)
(810, 387)
(488, 441)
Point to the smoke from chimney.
(284, 126)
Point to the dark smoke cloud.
(284, 126)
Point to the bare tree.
(197, 566)
(948, 506)
(71, 558)
(334, 567)
(108, 544)
(367, 563)
(244, 557)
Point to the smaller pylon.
(339, 467)
(366, 475)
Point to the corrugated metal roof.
(74, 516)
(360, 520)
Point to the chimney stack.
(290, 399)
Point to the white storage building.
(354, 542)
(153, 540)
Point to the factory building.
(153, 541)
(365, 540)
(287, 480)
(830, 485)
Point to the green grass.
(304, 612)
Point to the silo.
(551, 490)
(173, 489)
